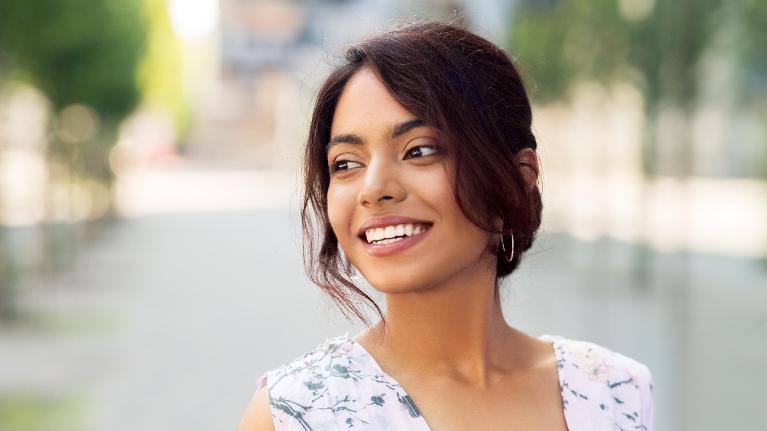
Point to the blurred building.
(270, 57)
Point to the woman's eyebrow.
(397, 131)
(402, 128)
(348, 138)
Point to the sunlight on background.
(194, 18)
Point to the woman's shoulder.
(327, 359)
(593, 376)
(597, 359)
(334, 386)
(294, 392)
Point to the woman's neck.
(455, 329)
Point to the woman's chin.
(398, 284)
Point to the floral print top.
(339, 386)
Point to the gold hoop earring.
(503, 248)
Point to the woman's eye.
(343, 165)
(420, 151)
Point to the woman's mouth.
(386, 240)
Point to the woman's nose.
(381, 184)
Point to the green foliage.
(160, 72)
(29, 413)
(667, 46)
(77, 51)
(560, 42)
(751, 49)
(657, 45)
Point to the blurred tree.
(79, 52)
(84, 55)
(160, 72)
(561, 42)
(655, 44)
(751, 50)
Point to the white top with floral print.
(339, 385)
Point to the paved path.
(166, 321)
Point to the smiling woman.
(421, 168)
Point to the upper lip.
(390, 220)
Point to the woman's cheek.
(340, 210)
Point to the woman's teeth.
(390, 234)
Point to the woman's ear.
(527, 159)
(498, 223)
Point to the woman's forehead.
(366, 106)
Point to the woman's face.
(389, 179)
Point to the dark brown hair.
(468, 89)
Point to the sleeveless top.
(339, 386)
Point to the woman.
(421, 168)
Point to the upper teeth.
(380, 233)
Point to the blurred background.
(150, 265)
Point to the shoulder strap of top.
(334, 387)
(603, 388)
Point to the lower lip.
(395, 247)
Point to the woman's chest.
(532, 403)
